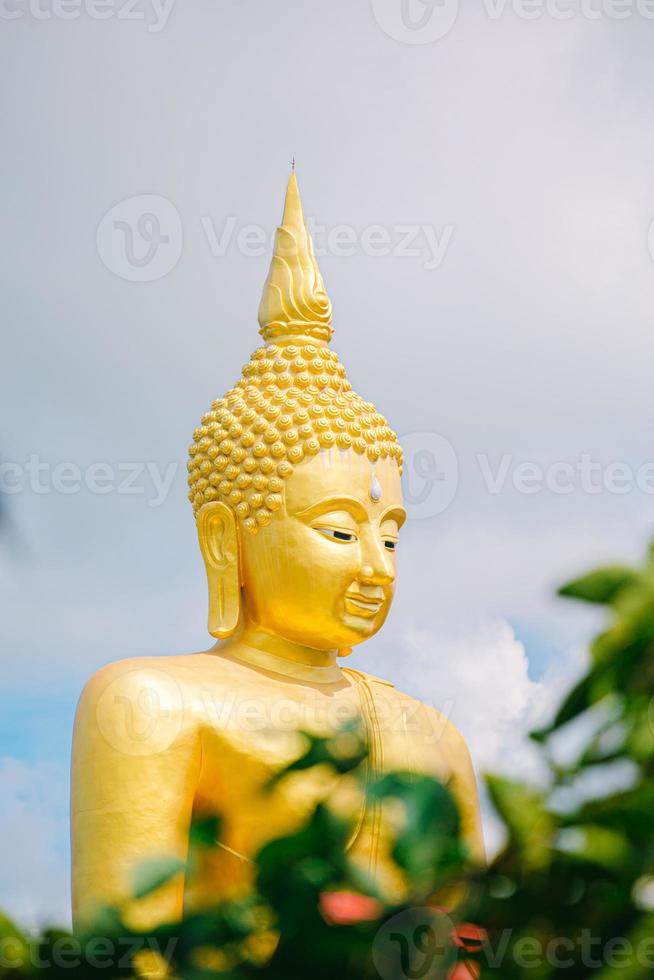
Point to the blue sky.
(515, 334)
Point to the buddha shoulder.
(418, 716)
(139, 706)
(145, 704)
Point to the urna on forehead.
(293, 400)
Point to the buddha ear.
(218, 537)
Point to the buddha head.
(294, 478)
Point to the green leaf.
(205, 833)
(428, 846)
(288, 867)
(529, 824)
(576, 701)
(154, 873)
(596, 844)
(601, 586)
(15, 946)
(344, 752)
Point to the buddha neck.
(261, 649)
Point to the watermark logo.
(431, 474)
(416, 21)
(140, 713)
(415, 943)
(140, 239)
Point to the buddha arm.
(463, 784)
(135, 764)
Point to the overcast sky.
(482, 189)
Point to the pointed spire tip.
(294, 301)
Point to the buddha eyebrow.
(351, 504)
(394, 513)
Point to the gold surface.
(294, 300)
(301, 574)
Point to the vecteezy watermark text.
(146, 479)
(426, 21)
(70, 953)
(563, 477)
(141, 713)
(410, 241)
(420, 940)
(140, 239)
(154, 13)
(431, 476)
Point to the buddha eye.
(345, 537)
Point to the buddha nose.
(377, 567)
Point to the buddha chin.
(322, 573)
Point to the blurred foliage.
(571, 892)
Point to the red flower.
(465, 971)
(348, 908)
(469, 937)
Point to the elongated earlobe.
(218, 536)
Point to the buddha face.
(322, 573)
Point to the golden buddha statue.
(295, 486)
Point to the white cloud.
(480, 680)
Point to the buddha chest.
(251, 725)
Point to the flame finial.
(294, 302)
